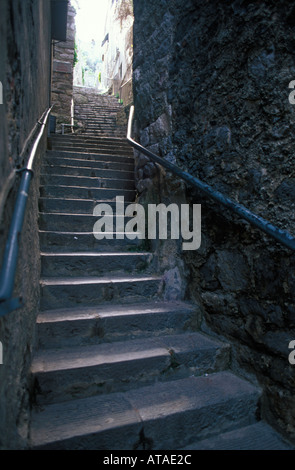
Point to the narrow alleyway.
(117, 367)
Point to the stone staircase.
(97, 115)
(117, 366)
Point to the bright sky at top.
(90, 19)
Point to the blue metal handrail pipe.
(9, 265)
(278, 234)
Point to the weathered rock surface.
(211, 88)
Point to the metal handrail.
(8, 269)
(278, 234)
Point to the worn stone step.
(85, 241)
(105, 108)
(108, 122)
(86, 182)
(71, 170)
(257, 436)
(69, 138)
(111, 124)
(100, 108)
(72, 264)
(95, 116)
(87, 291)
(64, 374)
(76, 192)
(99, 150)
(165, 415)
(89, 148)
(95, 119)
(102, 132)
(95, 164)
(93, 325)
(76, 206)
(97, 112)
(88, 158)
(102, 124)
(75, 222)
(94, 147)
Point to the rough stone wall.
(24, 73)
(211, 94)
(63, 73)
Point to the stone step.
(58, 241)
(86, 182)
(83, 154)
(92, 157)
(67, 170)
(113, 108)
(105, 106)
(78, 372)
(108, 130)
(89, 291)
(103, 124)
(89, 149)
(96, 115)
(166, 415)
(96, 102)
(85, 139)
(75, 192)
(96, 112)
(97, 119)
(91, 163)
(74, 139)
(257, 436)
(94, 264)
(75, 206)
(93, 325)
(75, 222)
(101, 132)
(111, 127)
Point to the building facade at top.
(117, 50)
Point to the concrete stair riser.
(95, 264)
(76, 206)
(75, 192)
(99, 324)
(56, 293)
(67, 170)
(165, 418)
(90, 159)
(76, 222)
(78, 373)
(83, 181)
(93, 149)
(89, 142)
(85, 241)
